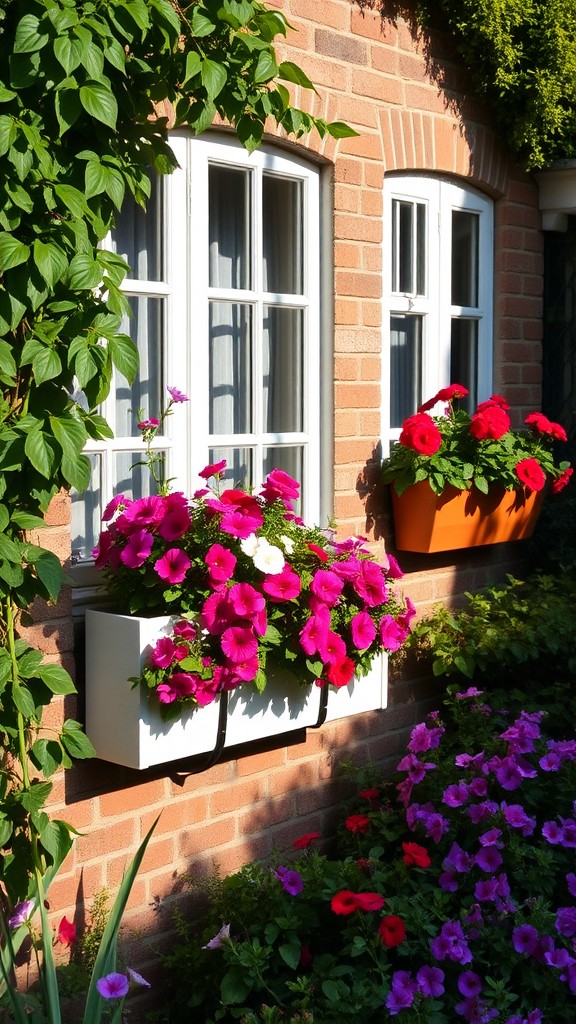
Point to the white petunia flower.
(268, 558)
(287, 544)
(250, 545)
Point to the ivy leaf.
(193, 65)
(77, 472)
(29, 663)
(24, 703)
(51, 261)
(12, 251)
(83, 272)
(290, 953)
(33, 799)
(99, 101)
(7, 363)
(70, 434)
(46, 755)
(340, 130)
(68, 108)
(8, 133)
(266, 68)
(6, 830)
(50, 572)
(56, 839)
(68, 52)
(9, 550)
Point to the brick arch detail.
(415, 140)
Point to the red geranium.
(416, 855)
(357, 823)
(445, 395)
(303, 842)
(369, 900)
(564, 478)
(344, 902)
(392, 930)
(542, 425)
(493, 400)
(489, 423)
(531, 474)
(420, 433)
(66, 933)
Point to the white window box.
(127, 729)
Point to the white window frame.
(440, 197)
(186, 293)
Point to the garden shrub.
(449, 895)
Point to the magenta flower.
(246, 601)
(180, 685)
(185, 630)
(283, 586)
(455, 795)
(173, 566)
(175, 524)
(313, 633)
(149, 424)
(137, 549)
(391, 634)
(327, 586)
(239, 643)
(115, 503)
(332, 648)
(278, 485)
(142, 512)
(430, 981)
(113, 986)
(217, 613)
(164, 652)
(221, 563)
(214, 469)
(370, 584)
(363, 630)
(176, 395)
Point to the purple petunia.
(291, 881)
(430, 981)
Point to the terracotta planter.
(427, 522)
(127, 728)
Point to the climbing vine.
(84, 90)
(521, 59)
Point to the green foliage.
(521, 58)
(81, 86)
(411, 856)
(517, 626)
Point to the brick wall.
(385, 82)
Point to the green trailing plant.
(521, 626)
(82, 84)
(521, 59)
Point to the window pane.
(86, 512)
(131, 478)
(282, 235)
(229, 227)
(144, 398)
(291, 460)
(464, 359)
(282, 368)
(405, 367)
(239, 465)
(408, 247)
(464, 258)
(137, 236)
(230, 397)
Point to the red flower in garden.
(560, 483)
(493, 400)
(489, 423)
(344, 902)
(320, 552)
(420, 433)
(531, 474)
(303, 842)
(66, 933)
(445, 395)
(416, 855)
(392, 930)
(370, 794)
(341, 673)
(542, 425)
(357, 823)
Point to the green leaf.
(12, 251)
(68, 51)
(56, 679)
(45, 361)
(7, 363)
(68, 108)
(124, 355)
(9, 550)
(39, 449)
(83, 272)
(51, 261)
(77, 472)
(29, 663)
(193, 65)
(24, 703)
(8, 133)
(70, 434)
(290, 953)
(290, 72)
(6, 829)
(4, 518)
(201, 25)
(99, 101)
(75, 740)
(29, 36)
(340, 130)
(47, 755)
(55, 838)
(213, 77)
(35, 798)
(266, 68)
(27, 521)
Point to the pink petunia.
(163, 653)
(217, 613)
(173, 565)
(175, 524)
(180, 685)
(332, 648)
(221, 563)
(214, 469)
(327, 586)
(239, 643)
(363, 630)
(137, 549)
(144, 512)
(246, 601)
(315, 630)
(284, 586)
(370, 584)
(392, 634)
